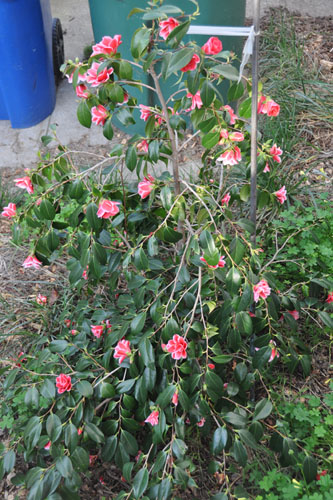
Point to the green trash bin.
(109, 17)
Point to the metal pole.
(254, 119)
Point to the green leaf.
(233, 281)
(58, 346)
(32, 432)
(9, 460)
(245, 192)
(262, 410)
(226, 70)
(31, 397)
(152, 246)
(125, 117)
(109, 448)
(163, 11)
(214, 385)
(159, 462)
(207, 93)
(107, 129)
(326, 318)
(140, 41)
(125, 70)
(131, 158)
(85, 388)
(141, 260)
(129, 442)
(219, 496)
(46, 210)
(245, 108)
(207, 125)
(47, 390)
(309, 469)
(64, 466)
(140, 482)
(147, 352)
(247, 438)
(178, 32)
(80, 459)
(76, 190)
(237, 250)
(154, 150)
(71, 437)
(178, 60)
(166, 197)
(220, 438)
(239, 453)
(165, 397)
(210, 140)
(222, 359)
(99, 253)
(53, 427)
(138, 323)
(244, 322)
(52, 240)
(236, 419)
(91, 216)
(94, 432)
(261, 357)
(235, 92)
(84, 114)
(168, 234)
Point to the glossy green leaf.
(85, 388)
(220, 438)
(227, 71)
(9, 460)
(247, 438)
(310, 469)
(207, 93)
(233, 280)
(178, 60)
(244, 322)
(46, 210)
(84, 114)
(64, 466)
(107, 129)
(138, 323)
(94, 432)
(53, 427)
(210, 140)
(141, 260)
(165, 396)
(235, 92)
(76, 190)
(131, 158)
(140, 482)
(262, 409)
(91, 216)
(239, 453)
(71, 437)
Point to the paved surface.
(19, 147)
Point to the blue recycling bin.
(27, 82)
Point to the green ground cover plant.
(174, 322)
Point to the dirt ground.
(18, 285)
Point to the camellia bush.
(174, 318)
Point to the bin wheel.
(57, 49)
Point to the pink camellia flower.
(99, 114)
(81, 77)
(225, 385)
(212, 46)
(67, 322)
(79, 431)
(201, 423)
(251, 314)
(41, 299)
(167, 26)
(225, 200)
(95, 78)
(97, 330)
(177, 347)
(145, 187)
(107, 209)
(231, 156)
(143, 146)
(153, 418)
(267, 106)
(276, 153)
(24, 183)
(145, 112)
(47, 446)
(211, 366)
(266, 169)
(274, 353)
(329, 299)
(107, 45)
(221, 262)
(92, 460)
(224, 134)
(236, 136)
(192, 64)
(9, 211)
(74, 332)
(31, 261)
(175, 398)
(122, 350)
(85, 274)
(82, 91)
(231, 112)
(281, 194)
(196, 101)
(125, 100)
(261, 289)
(63, 383)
